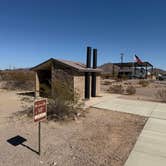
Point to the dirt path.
(103, 138)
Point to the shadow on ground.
(18, 140)
(31, 94)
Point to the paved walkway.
(150, 148)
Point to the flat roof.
(132, 64)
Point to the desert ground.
(101, 138)
(146, 90)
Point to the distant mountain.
(158, 71)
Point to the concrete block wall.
(79, 86)
(98, 86)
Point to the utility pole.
(121, 58)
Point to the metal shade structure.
(130, 68)
(131, 64)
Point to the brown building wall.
(98, 85)
(73, 80)
(79, 85)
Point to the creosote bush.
(18, 79)
(117, 89)
(106, 83)
(64, 104)
(144, 83)
(130, 90)
(161, 94)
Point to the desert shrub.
(18, 79)
(18, 75)
(45, 90)
(144, 83)
(130, 90)
(161, 94)
(124, 77)
(117, 89)
(106, 83)
(64, 104)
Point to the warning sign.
(40, 110)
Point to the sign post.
(40, 114)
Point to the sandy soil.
(148, 93)
(103, 138)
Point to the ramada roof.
(80, 67)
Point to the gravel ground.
(148, 93)
(102, 138)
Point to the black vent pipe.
(93, 88)
(87, 74)
(94, 58)
(88, 60)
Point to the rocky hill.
(159, 71)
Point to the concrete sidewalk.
(150, 148)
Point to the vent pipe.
(87, 74)
(94, 58)
(93, 88)
(88, 60)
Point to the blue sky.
(32, 31)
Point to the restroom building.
(82, 79)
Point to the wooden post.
(39, 138)
(37, 85)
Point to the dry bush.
(130, 90)
(161, 94)
(106, 82)
(117, 89)
(64, 104)
(18, 79)
(144, 83)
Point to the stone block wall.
(79, 86)
(98, 85)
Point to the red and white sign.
(40, 110)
